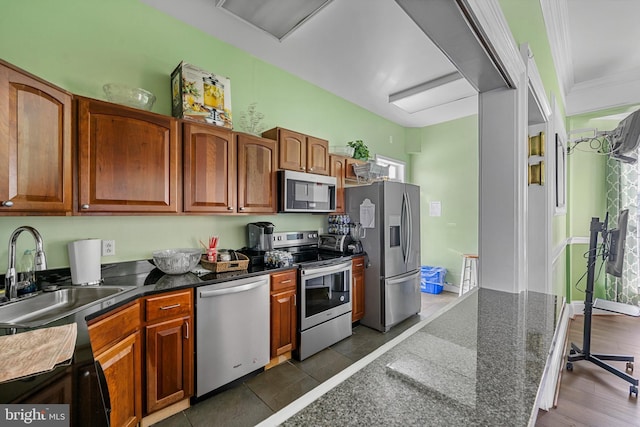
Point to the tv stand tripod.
(576, 354)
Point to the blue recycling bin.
(432, 279)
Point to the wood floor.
(589, 395)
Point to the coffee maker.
(260, 236)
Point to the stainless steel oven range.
(325, 305)
(324, 291)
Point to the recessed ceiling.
(595, 50)
(276, 17)
(360, 50)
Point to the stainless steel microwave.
(306, 192)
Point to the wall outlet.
(108, 247)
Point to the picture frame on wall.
(560, 177)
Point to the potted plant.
(361, 151)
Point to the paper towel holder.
(84, 261)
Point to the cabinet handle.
(359, 265)
(285, 281)
(7, 203)
(295, 300)
(186, 324)
(302, 168)
(229, 208)
(241, 209)
(169, 307)
(310, 169)
(85, 206)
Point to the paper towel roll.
(84, 261)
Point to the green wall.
(587, 195)
(80, 45)
(527, 26)
(447, 170)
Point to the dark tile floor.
(252, 401)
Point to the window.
(396, 167)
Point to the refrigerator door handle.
(403, 228)
(406, 227)
(410, 226)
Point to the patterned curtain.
(622, 193)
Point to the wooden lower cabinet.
(283, 312)
(89, 410)
(168, 363)
(169, 349)
(121, 366)
(357, 288)
(151, 338)
(116, 341)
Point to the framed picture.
(560, 176)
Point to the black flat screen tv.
(617, 238)
(625, 139)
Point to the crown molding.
(535, 82)
(600, 94)
(556, 18)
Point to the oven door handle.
(321, 271)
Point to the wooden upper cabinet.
(300, 152)
(209, 169)
(128, 160)
(293, 150)
(257, 181)
(349, 174)
(337, 169)
(317, 156)
(35, 145)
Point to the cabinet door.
(349, 174)
(337, 170)
(169, 362)
(209, 169)
(357, 297)
(317, 156)
(121, 366)
(128, 159)
(87, 400)
(293, 150)
(283, 312)
(58, 391)
(283, 322)
(35, 145)
(257, 191)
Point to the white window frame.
(394, 165)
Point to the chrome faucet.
(10, 279)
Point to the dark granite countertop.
(139, 279)
(478, 364)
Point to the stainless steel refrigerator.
(390, 215)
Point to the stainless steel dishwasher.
(232, 331)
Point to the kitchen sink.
(47, 307)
